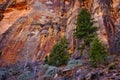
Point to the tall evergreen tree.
(98, 53)
(84, 27)
(59, 54)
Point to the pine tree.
(84, 27)
(59, 54)
(98, 53)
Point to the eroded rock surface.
(32, 35)
(31, 30)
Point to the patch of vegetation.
(59, 54)
(98, 54)
(85, 31)
(3, 74)
(28, 75)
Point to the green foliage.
(59, 54)
(98, 53)
(84, 27)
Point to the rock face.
(32, 35)
(7, 9)
(29, 34)
(106, 22)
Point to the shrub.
(26, 76)
(98, 53)
(85, 31)
(59, 54)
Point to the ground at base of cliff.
(110, 71)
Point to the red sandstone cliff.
(31, 32)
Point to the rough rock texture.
(7, 10)
(106, 23)
(29, 34)
(32, 35)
